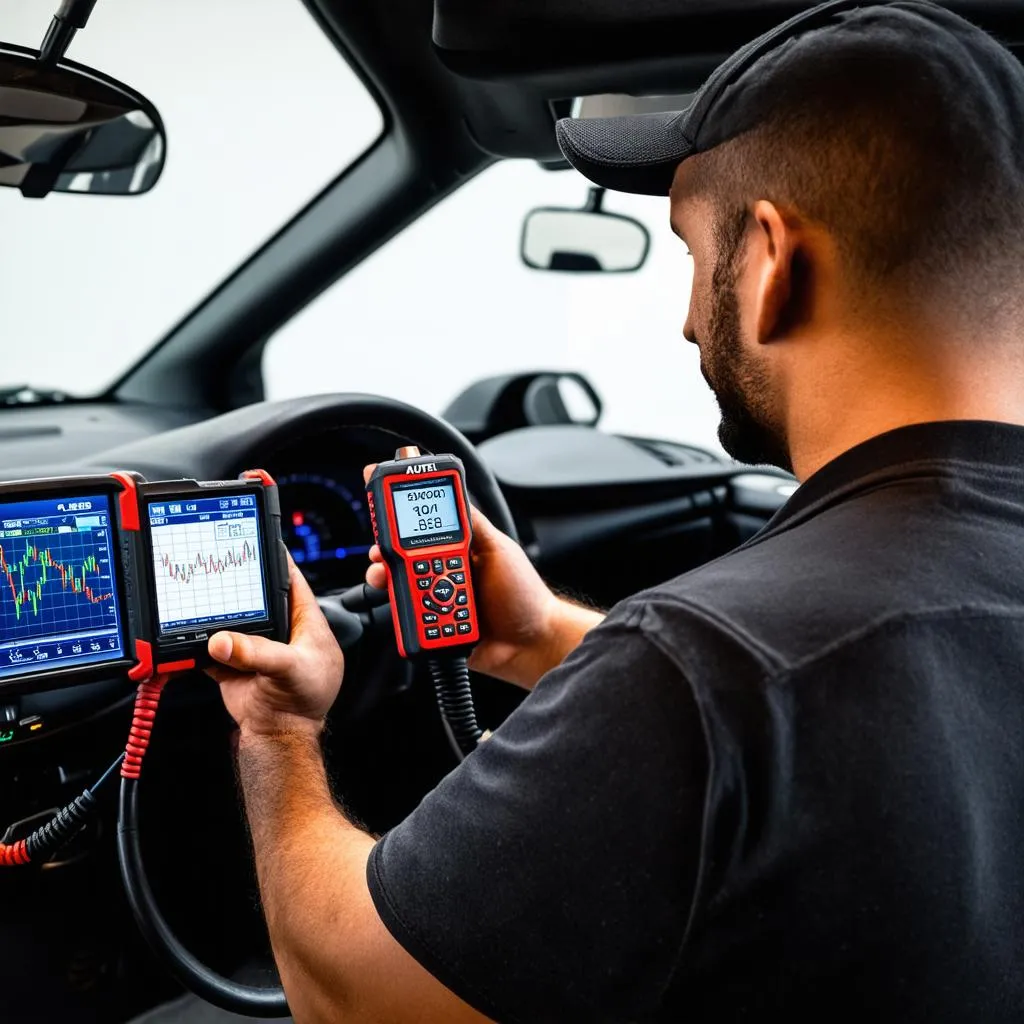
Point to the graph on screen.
(206, 563)
(58, 598)
(56, 586)
(62, 587)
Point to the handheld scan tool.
(420, 515)
(210, 557)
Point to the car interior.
(602, 514)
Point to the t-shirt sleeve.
(550, 877)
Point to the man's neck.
(854, 400)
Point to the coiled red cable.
(147, 700)
(14, 854)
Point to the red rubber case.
(166, 652)
(420, 569)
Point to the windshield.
(449, 301)
(94, 281)
(254, 132)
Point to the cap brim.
(636, 154)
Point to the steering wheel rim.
(407, 424)
(243, 438)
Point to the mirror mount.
(71, 18)
(41, 179)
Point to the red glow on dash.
(298, 519)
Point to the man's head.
(861, 183)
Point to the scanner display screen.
(59, 593)
(207, 562)
(426, 511)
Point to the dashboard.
(602, 516)
(326, 525)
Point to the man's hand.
(271, 688)
(525, 628)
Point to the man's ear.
(774, 284)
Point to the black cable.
(455, 699)
(46, 840)
(109, 773)
(63, 826)
(247, 1000)
(67, 822)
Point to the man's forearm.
(570, 625)
(311, 864)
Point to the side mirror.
(561, 398)
(583, 240)
(496, 405)
(67, 128)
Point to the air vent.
(672, 453)
(24, 433)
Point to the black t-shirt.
(791, 780)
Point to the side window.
(448, 302)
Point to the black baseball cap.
(641, 153)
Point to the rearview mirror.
(67, 128)
(583, 240)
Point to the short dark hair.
(920, 193)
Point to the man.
(792, 780)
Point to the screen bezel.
(190, 634)
(429, 540)
(54, 490)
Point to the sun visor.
(567, 47)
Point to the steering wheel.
(356, 615)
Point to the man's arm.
(567, 625)
(337, 960)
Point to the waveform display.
(47, 570)
(58, 589)
(206, 565)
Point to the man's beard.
(741, 387)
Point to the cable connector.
(65, 824)
(147, 700)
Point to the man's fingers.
(305, 610)
(255, 654)
(222, 675)
(368, 472)
(302, 594)
(376, 576)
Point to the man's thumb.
(250, 653)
